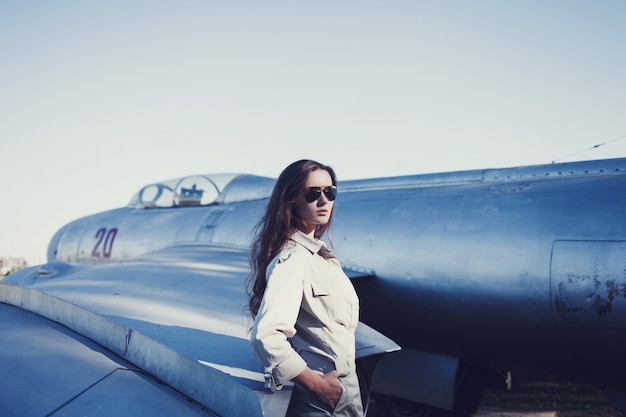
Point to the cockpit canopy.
(202, 190)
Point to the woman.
(305, 308)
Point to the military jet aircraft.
(476, 275)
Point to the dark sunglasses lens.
(312, 194)
(330, 193)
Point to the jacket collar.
(312, 244)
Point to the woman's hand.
(327, 387)
(331, 391)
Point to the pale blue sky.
(99, 98)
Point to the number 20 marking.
(106, 240)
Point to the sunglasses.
(313, 193)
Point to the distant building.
(11, 264)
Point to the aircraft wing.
(177, 314)
(49, 370)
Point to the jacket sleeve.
(276, 319)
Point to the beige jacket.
(310, 309)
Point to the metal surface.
(491, 271)
(48, 370)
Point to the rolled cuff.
(285, 371)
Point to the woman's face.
(318, 211)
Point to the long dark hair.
(277, 224)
